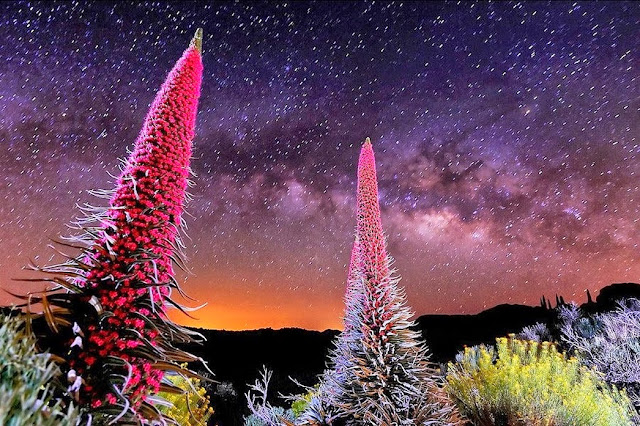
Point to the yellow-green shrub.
(530, 383)
(190, 408)
(302, 402)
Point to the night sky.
(506, 137)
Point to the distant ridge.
(448, 334)
(608, 295)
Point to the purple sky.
(506, 137)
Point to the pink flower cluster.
(131, 263)
(373, 252)
(372, 262)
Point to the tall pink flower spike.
(378, 371)
(114, 320)
(373, 260)
(369, 255)
(133, 258)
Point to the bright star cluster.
(506, 139)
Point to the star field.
(506, 139)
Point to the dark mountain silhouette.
(446, 335)
(236, 357)
(608, 296)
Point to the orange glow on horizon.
(256, 311)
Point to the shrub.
(263, 413)
(26, 380)
(300, 404)
(538, 332)
(191, 407)
(276, 412)
(608, 342)
(531, 383)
